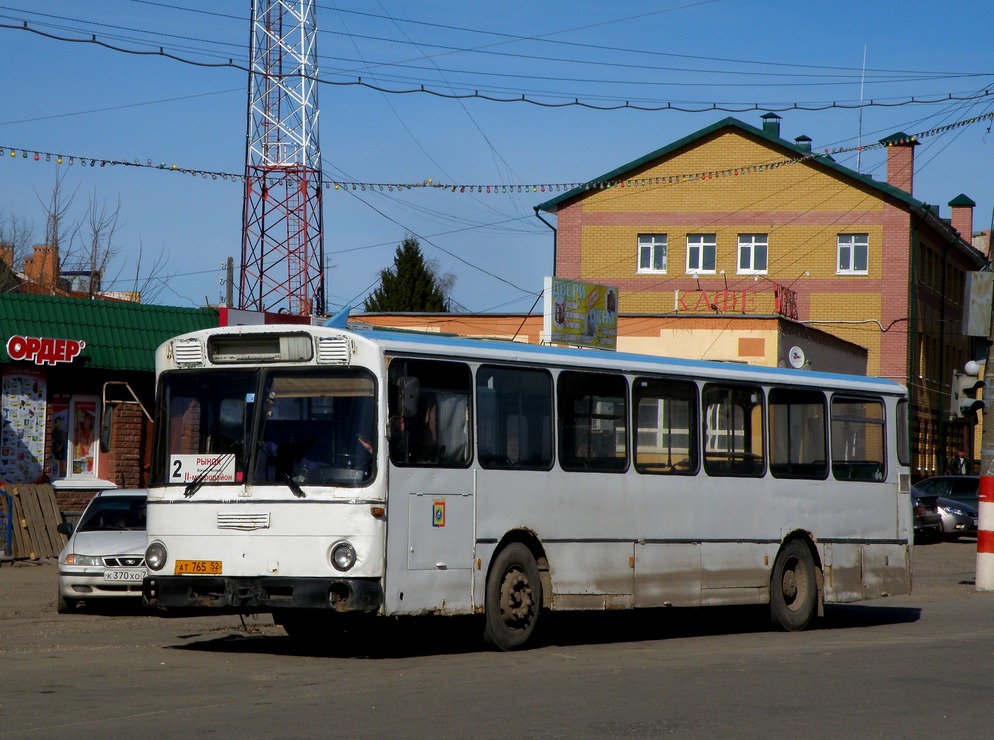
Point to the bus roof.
(455, 346)
(571, 356)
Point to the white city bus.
(316, 472)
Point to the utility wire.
(556, 100)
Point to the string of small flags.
(274, 176)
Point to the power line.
(555, 100)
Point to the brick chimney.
(7, 255)
(901, 161)
(962, 216)
(42, 269)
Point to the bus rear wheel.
(513, 598)
(793, 587)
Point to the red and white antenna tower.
(282, 236)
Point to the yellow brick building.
(735, 220)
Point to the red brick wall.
(128, 455)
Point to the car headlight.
(953, 510)
(342, 556)
(75, 559)
(155, 556)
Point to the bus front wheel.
(793, 587)
(513, 599)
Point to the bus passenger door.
(431, 499)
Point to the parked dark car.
(957, 487)
(928, 522)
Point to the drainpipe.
(913, 338)
(555, 238)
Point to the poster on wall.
(22, 443)
(59, 459)
(84, 437)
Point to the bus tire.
(793, 587)
(513, 598)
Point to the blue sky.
(83, 100)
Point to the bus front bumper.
(221, 594)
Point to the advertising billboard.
(581, 314)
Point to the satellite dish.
(795, 355)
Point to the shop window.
(84, 437)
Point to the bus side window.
(664, 416)
(858, 435)
(592, 422)
(733, 430)
(798, 435)
(429, 413)
(514, 418)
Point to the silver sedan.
(958, 518)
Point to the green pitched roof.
(118, 335)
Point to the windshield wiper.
(196, 484)
(292, 485)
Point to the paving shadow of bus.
(407, 637)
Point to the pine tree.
(411, 285)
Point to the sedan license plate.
(210, 567)
(131, 576)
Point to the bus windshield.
(311, 428)
(317, 428)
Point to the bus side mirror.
(408, 390)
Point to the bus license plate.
(210, 567)
(130, 576)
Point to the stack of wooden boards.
(35, 519)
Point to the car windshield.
(114, 513)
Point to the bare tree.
(88, 246)
(56, 211)
(153, 283)
(15, 232)
(102, 223)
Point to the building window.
(701, 251)
(652, 253)
(853, 251)
(753, 253)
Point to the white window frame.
(847, 246)
(749, 246)
(653, 245)
(697, 246)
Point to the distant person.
(959, 464)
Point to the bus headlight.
(342, 556)
(155, 556)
